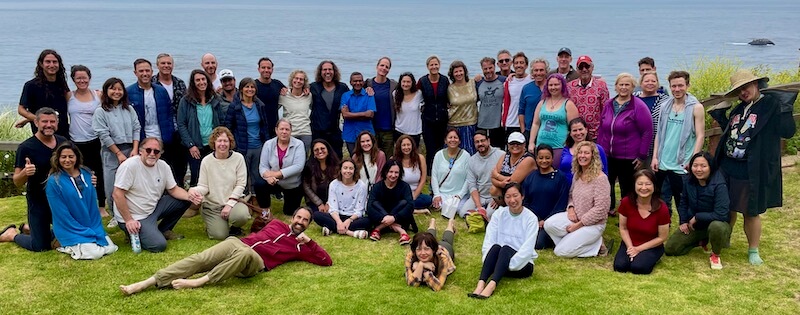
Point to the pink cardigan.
(591, 199)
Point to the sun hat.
(740, 79)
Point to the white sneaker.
(326, 231)
(360, 234)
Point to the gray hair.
(542, 60)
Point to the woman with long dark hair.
(198, 114)
(319, 172)
(369, 158)
(72, 197)
(430, 261)
(408, 105)
(118, 129)
(415, 170)
(578, 132)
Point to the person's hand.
(428, 266)
(284, 91)
(636, 163)
(633, 251)
(684, 228)
(271, 180)
(133, 153)
(121, 157)
(573, 227)
(29, 168)
(531, 147)
(387, 220)
(94, 179)
(346, 224)
(478, 78)
(226, 212)
(370, 91)
(571, 215)
(21, 123)
(324, 208)
(132, 226)
(692, 222)
(493, 204)
(194, 152)
(654, 164)
(437, 202)
(195, 197)
(306, 91)
(341, 228)
(302, 238)
(415, 265)
(541, 224)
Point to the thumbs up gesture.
(29, 169)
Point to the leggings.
(433, 134)
(291, 196)
(447, 242)
(92, 159)
(325, 219)
(675, 183)
(623, 170)
(496, 265)
(642, 264)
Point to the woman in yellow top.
(430, 262)
(463, 97)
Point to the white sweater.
(347, 200)
(518, 231)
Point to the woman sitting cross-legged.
(390, 204)
(344, 211)
(430, 262)
(643, 226)
(73, 201)
(223, 176)
(578, 232)
(508, 244)
(704, 211)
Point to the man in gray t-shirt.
(490, 110)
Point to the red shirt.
(642, 230)
(276, 245)
(589, 100)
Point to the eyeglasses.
(584, 66)
(507, 60)
(153, 151)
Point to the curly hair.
(595, 166)
(217, 132)
(337, 76)
(294, 73)
(453, 66)
(61, 74)
(399, 93)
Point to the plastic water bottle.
(136, 245)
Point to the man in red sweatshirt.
(274, 245)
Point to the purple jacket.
(629, 135)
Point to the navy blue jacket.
(711, 203)
(189, 126)
(163, 109)
(322, 119)
(237, 123)
(435, 108)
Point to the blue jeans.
(423, 201)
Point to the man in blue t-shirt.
(383, 121)
(358, 110)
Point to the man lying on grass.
(274, 245)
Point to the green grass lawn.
(367, 278)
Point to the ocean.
(107, 36)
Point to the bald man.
(209, 64)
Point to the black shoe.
(235, 231)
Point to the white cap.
(226, 73)
(516, 136)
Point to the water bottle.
(136, 245)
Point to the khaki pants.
(227, 259)
(217, 227)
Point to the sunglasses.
(153, 151)
(583, 66)
(507, 60)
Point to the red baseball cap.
(584, 59)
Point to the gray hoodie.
(479, 175)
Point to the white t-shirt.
(144, 186)
(412, 175)
(409, 119)
(151, 128)
(168, 87)
(514, 90)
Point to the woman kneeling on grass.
(704, 212)
(508, 247)
(73, 201)
(643, 226)
(430, 262)
(344, 211)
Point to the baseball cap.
(226, 73)
(516, 136)
(564, 50)
(584, 59)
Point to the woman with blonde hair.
(578, 232)
(296, 105)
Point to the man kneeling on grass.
(274, 245)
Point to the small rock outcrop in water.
(761, 42)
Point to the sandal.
(24, 228)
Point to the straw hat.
(740, 79)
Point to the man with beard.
(173, 151)
(47, 89)
(479, 176)
(326, 93)
(490, 94)
(228, 91)
(32, 166)
(589, 94)
(268, 90)
(140, 201)
(209, 64)
(275, 244)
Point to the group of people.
(514, 153)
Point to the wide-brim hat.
(740, 79)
